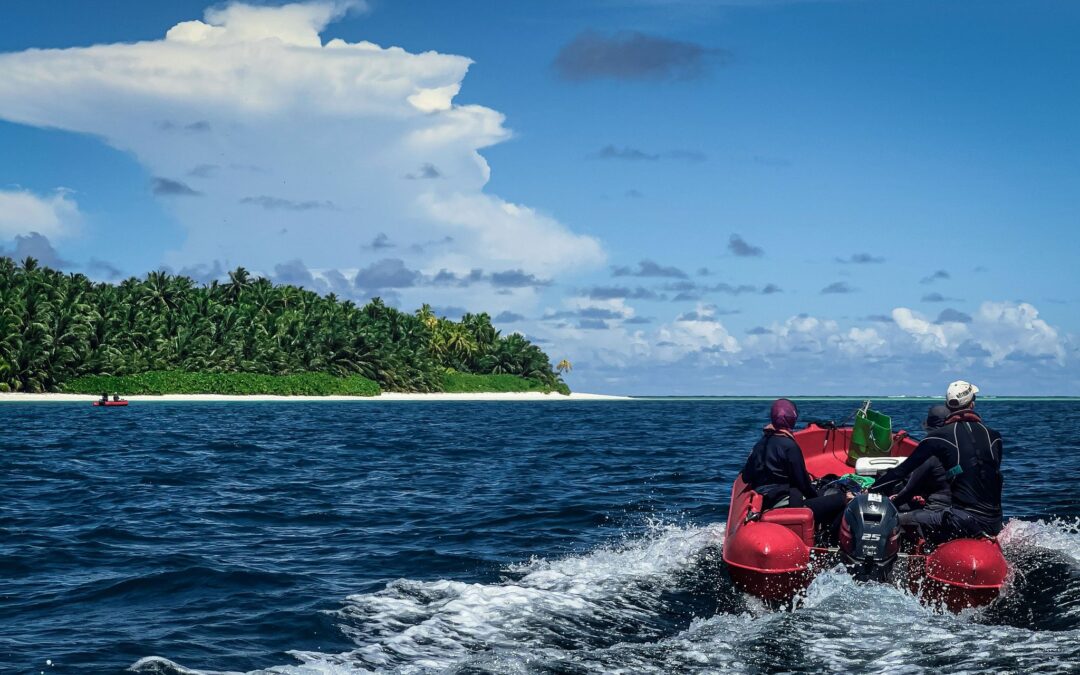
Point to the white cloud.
(1014, 329)
(249, 108)
(806, 354)
(22, 212)
(997, 331)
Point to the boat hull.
(772, 556)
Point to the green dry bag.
(871, 435)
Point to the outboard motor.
(870, 537)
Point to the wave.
(662, 603)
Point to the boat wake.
(662, 603)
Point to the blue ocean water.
(547, 537)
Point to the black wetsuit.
(970, 453)
(775, 469)
(930, 482)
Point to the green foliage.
(468, 383)
(178, 382)
(56, 328)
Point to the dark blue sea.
(575, 537)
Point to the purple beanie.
(784, 414)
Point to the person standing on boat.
(927, 494)
(970, 452)
(775, 469)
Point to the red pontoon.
(110, 404)
(773, 556)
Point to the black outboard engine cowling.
(870, 537)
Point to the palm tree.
(55, 327)
(564, 366)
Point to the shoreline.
(19, 397)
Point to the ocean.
(424, 537)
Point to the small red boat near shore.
(773, 554)
(110, 404)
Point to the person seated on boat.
(926, 495)
(116, 397)
(970, 453)
(104, 397)
(775, 469)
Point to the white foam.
(569, 614)
(430, 625)
(1055, 534)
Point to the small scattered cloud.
(634, 194)
(649, 268)
(624, 153)
(861, 259)
(426, 172)
(204, 171)
(103, 270)
(953, 315)
(623, 293)
(936, 276)
(517, 279)
(838, 287)
(593, 324)
(759, 330)
(295, 273)
(425, 246)
(507, 316)
(204, 273)
(937, 297)
(277, 203)
(200, 126)
(386, 273)
(880, 318)
(638, 320)
(738, 246)
(627, 153)
(379, 243)
(168, 187)
(592, 313)
(632, 55)
(690, 290)
(37, 246)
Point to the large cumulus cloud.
(291, 147)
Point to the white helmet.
(960, 394)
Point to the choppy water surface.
(470, 538)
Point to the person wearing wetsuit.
(927, 494)
(775, 469)
(970, 453)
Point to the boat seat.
(798, 520)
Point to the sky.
(681, 197)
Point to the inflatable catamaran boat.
(773, 554)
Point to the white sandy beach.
(508, 396)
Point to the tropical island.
(167, 334)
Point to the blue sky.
(685, 197)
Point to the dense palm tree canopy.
(55, 327)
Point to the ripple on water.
(339, 538)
